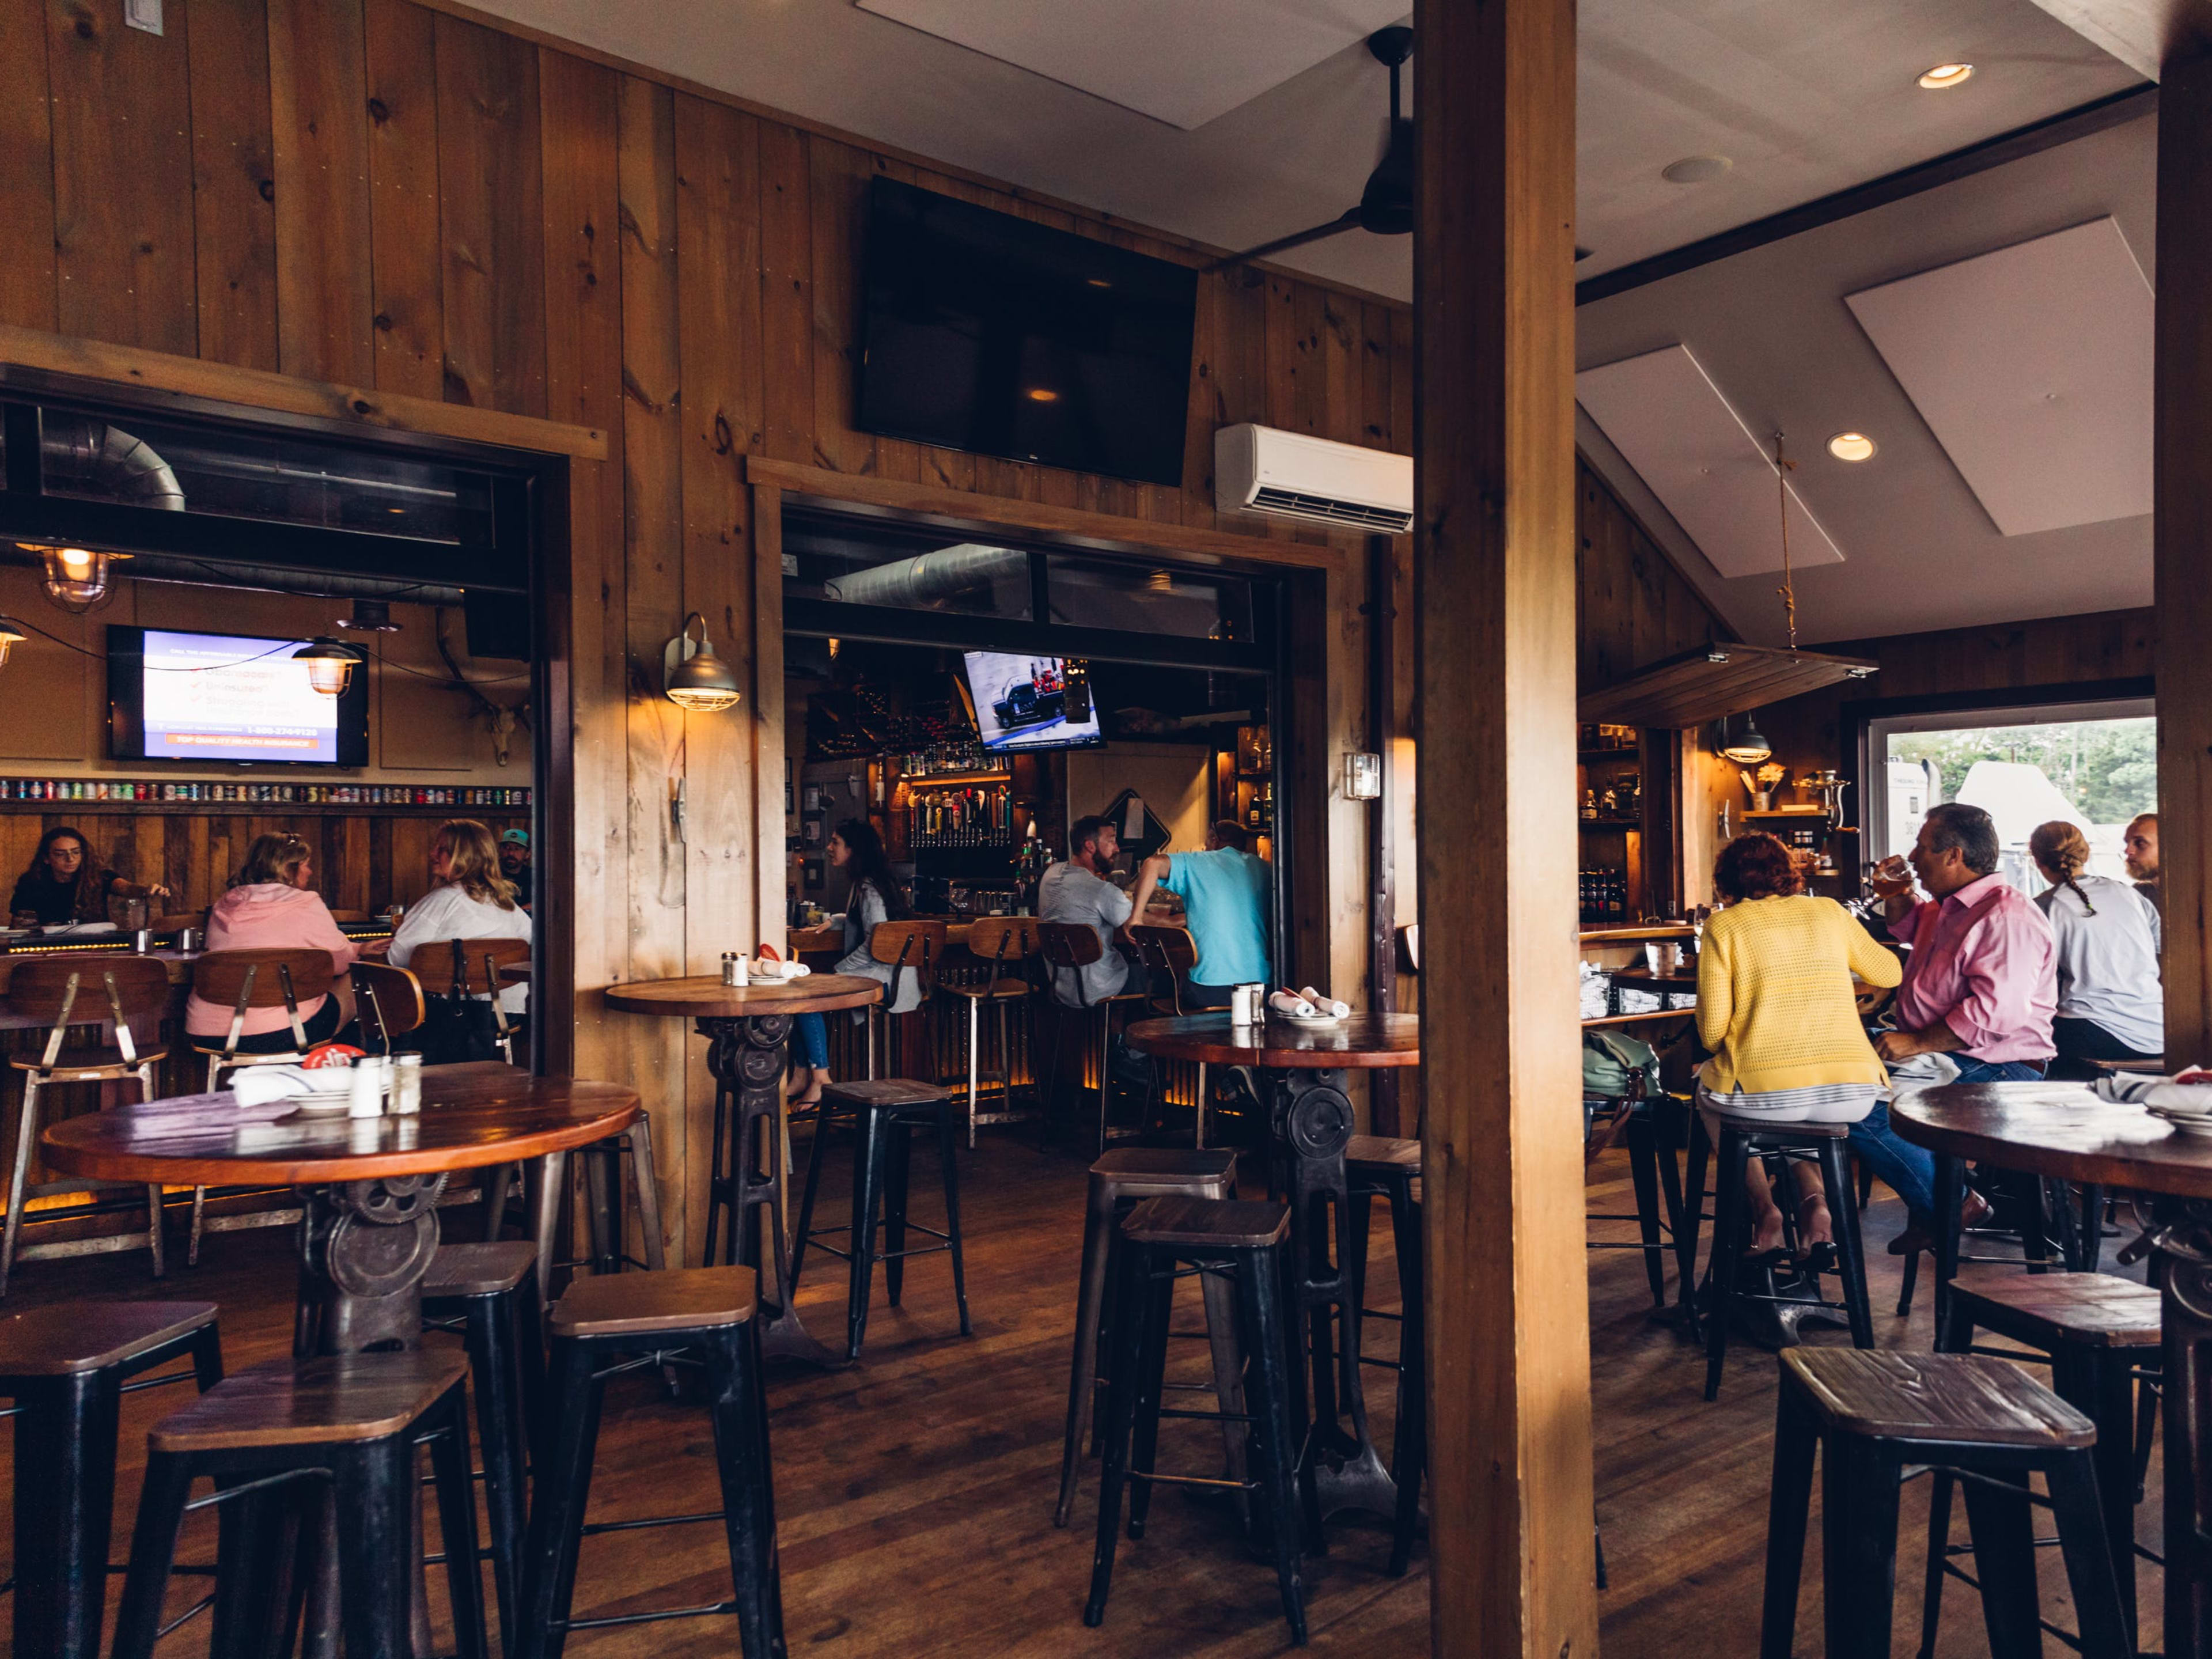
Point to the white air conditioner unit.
(1262, 469)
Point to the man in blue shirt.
(1224, 893)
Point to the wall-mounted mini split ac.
(1263, 469)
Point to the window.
(848, 562)
(1115, 593)
(2093, 764)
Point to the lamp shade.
(693, 677)
(330, 665)
(11, 635)
(77, 578)
(1748, 747)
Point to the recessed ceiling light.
(1944, 76)
(1851, 447)
(1042, 394)
(1695, 169)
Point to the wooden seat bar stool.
(1987, 1421)
(2095, 1329)
(1069, 947)
(1388, 1168)
(885, 1112)
(1119, 1182)
(488, 1293)
(391, 1004)
(66, 1369)
(1163, 1240)
(466, 969)
(912, 951)
(279, 1441)
(61, 993)
(603, 1327)
(1168, 954)
(1006, 946)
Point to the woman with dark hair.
(876, 898)
(1777, 1007)
(2110, 1004)
(64, 882)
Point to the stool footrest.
(1194, 1480)
(707, 1612)
(592, 1528)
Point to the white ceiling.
(1805, 100)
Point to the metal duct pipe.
(275, 579)
(922, 580)
(107, 461)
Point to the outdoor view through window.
(2097, 773)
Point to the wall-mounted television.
(214, 697)
(1031, 702)
(985, 332)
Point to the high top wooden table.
(748, 1028)
(1303, 1066)
(2063, 1130)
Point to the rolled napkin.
(1322, 1005)
(2186, 1093)
(257, 1085)
(1290, 1004)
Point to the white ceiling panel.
(1184, 62)
(1670, 422)
(2031, 366)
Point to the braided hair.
(2063, 851)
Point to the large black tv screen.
(984, 332)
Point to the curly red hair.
(1756, 866)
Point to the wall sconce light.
(1748, 747)
(693, 677)
(1362, 777)
(11, 635)
(76, 577)
(330, 665)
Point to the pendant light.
(1749, 747)
(330, 665)
(11, 635)
(693, 677)
(77, 578)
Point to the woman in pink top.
(269, 907)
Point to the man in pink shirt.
(1980, 984)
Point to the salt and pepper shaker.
(367, 1096)
(406, 1084)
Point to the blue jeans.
(1909, 1170)
(812, 1035)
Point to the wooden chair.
(1171, 952)
(59, 992)
(1072, 946)
(907, 948)
(999, 943)
(467, 968)
(390, 1001)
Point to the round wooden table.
(1311, 1117)
(2065, 1131)
(747, 1027)
(369, 1186)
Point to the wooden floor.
(915, 1490)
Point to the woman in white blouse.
(469, 899)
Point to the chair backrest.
(1001, 939)
(257, 979)
(390, 1001)
(349, 915)
(85, 989)
(1171, 948)
(1069, 944)
(179, 921)
(467, 967)
(906, 947)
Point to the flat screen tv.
(984, 332)
(1031, 702)
(206, 697)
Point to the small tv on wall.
(984, 332)
(214, 697)
(1031, 702)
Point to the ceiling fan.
(1386, 206)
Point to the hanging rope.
(1782, 468)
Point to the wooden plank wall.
(388, 195)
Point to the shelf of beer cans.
(30, 792)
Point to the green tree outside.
(2107, 769)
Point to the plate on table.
(327, 1103)
(1307, 1020)
(2190, 1123)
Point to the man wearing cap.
(515, 863)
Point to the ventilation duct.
(90, 458)
(929, 578)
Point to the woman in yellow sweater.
(1777, 1007)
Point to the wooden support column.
(1511, 1546)
(2183, 535)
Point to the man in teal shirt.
(1225, 892)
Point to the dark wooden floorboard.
(915, 1490)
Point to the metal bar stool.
(136, 987)
(65, 1368)
(1388, 1168)
(1006, 946)
(1070, 946)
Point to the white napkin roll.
(1328, 1006)
(257, 1085)
(796, 971)
(2182, 1096)
(1283, 1003)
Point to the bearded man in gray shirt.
(1077, 891)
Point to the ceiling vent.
(1288, 475)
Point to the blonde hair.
(272, 859)
(472, 861)
(2061, 848)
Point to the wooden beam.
(1106, 529)
(1511, 1565)
(286, 394)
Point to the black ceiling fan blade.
(1348, 220)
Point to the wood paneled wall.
(412, 199)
